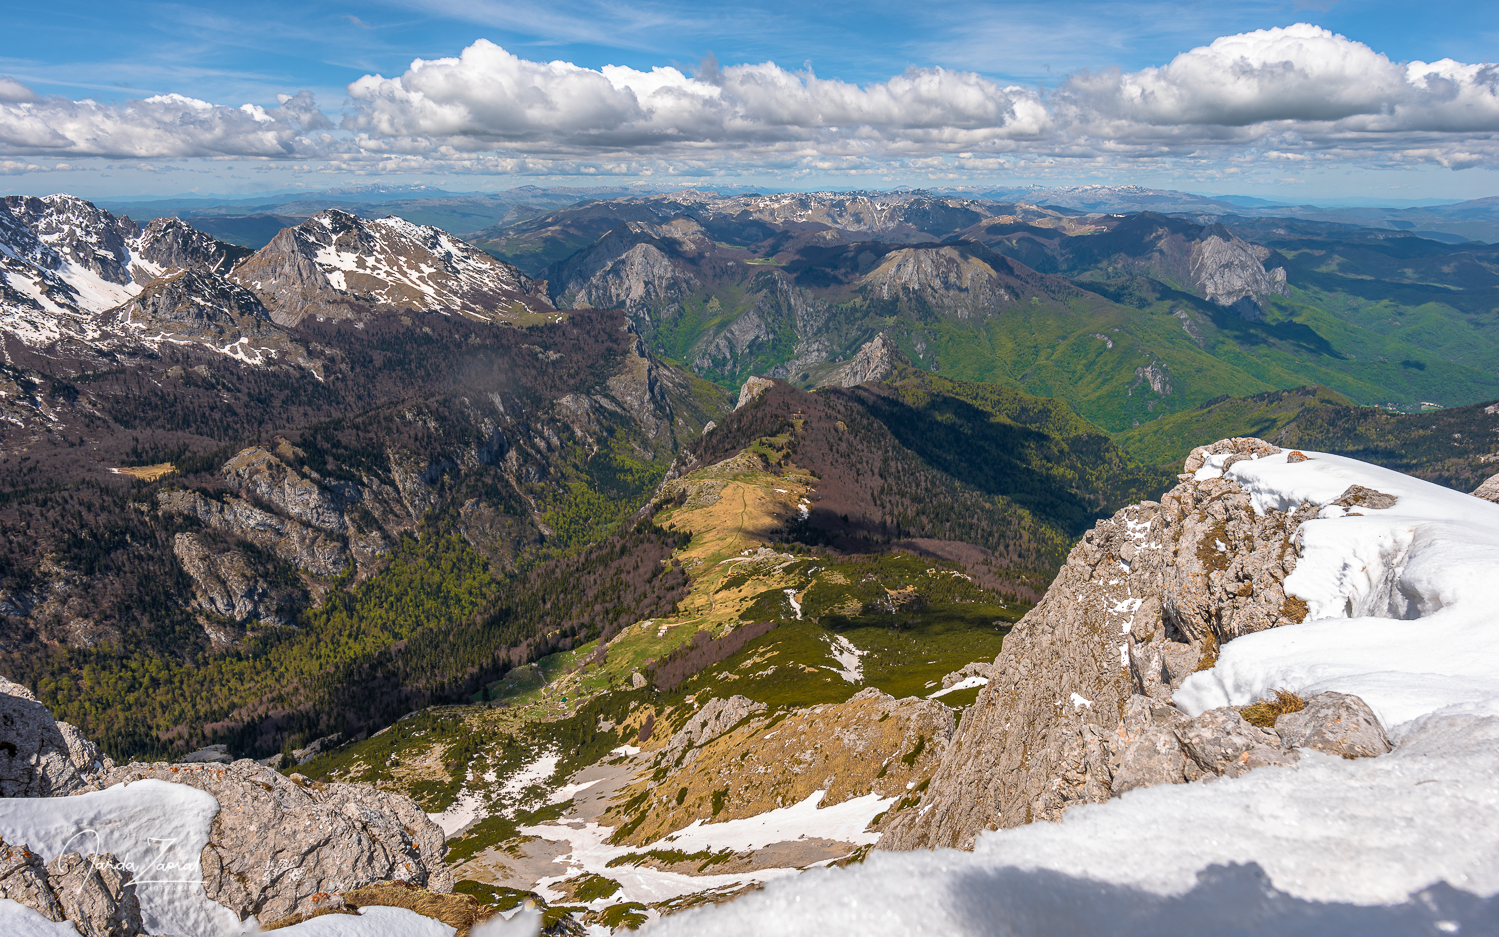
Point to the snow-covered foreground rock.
(1403, 601)
(1263, 570)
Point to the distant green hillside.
(1168, 440)
(1457, 447)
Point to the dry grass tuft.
(1266, 711)
(457, 911)
(1294, 609)
(1209, 652)
(289, 920)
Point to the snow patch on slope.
(1332, 846)
(845, 822)
(843, 651)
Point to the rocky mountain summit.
(76, 279)
(338, 265)
(1078, 708)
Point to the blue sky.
(1066, 127)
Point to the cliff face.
(876, 360)
(1077, 708)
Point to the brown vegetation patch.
(146, 473)
(1209, 651)
(1266, 711)
(457, 911)
(871, 743)
(291, 919)
(1209, 554)
(1294, 609)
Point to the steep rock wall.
(1085, 679)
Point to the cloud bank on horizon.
(1296, 94)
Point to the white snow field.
(1404, 612)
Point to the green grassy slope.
(1457, 447)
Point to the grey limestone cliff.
(279, 846)
(876, 360)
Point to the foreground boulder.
(91, 891)
(39, 756)
(279, 847)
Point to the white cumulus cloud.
(1297, 93)
(488, 96)
(1299, 76)
(169, 125)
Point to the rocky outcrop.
(278, 847)
(227, 585)
(95, 894)
(876, 360)
(92, 892)
(315, 551)
(257, 473)
(1489, 490)
(714, 719)
(1231, 272)
(1077, 709)
(976, 669)
(752, 389)
(200, 307)
(1336, 723)
(39, 756)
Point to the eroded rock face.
(39, 756)
(1231, 272)
(91, 892)
(95, 894)
(752, 389)
(876, 360)
(227, 584)
(23, 879)
(316, 551)
(276, 844)
(714, 719)
(1078, 705)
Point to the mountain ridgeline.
(260, 498)
(1128, 317)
